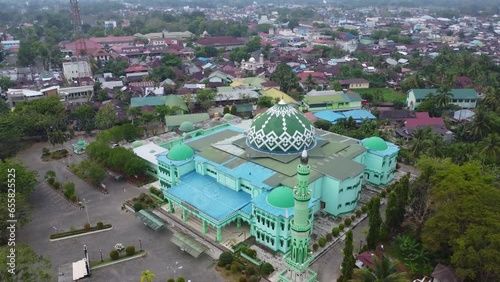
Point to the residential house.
(464, 98)
(355, 83)
(76, 70)
(219, 76)
(228, 95)
(227, 42)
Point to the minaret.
(299, 258)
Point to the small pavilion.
(79, 147)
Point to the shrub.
(130, 250)
(69, 186)
(251, 253)
(329, 237)
(382, 194)
(137, 206)
(359, 213)
(72, 198)
(181, 279)
(353, 217)
(243, 279)
(322, 241)
(100, 225)
(341, 226)
(228, 267)
(225, 258)
(347, 221)
(250, 270)
(51, 181)
(267, 268)
(114, 255)
(234, 268)
(45, 152)
(364, 209)
(253, 278)
(335, 231)
(315, 246)
(50, 174)
(171, 280)
(389, 189)
(56, 185)
(86, 226)
(156, 191)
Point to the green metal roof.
(150, 219)
(375, 143)
(456, 93)
(281, 197)
(254, 81)
(188, 244)
(180, 152)
(324, 99)
(281, 129)
(177, 120)
(169, 100)
(176, 101)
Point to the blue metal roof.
(209, 197)
(329, 116)
(247, 209)
(252, 172)
(261, 203)
(359, 115)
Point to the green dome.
(281, 197)
(80, 142)
(136, 144)
(281, 129)
(180, 152)
(375, 143)
(186, 126)
(228, 116)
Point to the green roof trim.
(456, 93)
(180, 152)
(375, 143)
(281, 197)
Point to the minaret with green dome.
(299, 257)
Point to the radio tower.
(80, 45)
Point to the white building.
(75, 70)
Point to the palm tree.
(490, 147)
(310, 82)
(420, 140)
(436, 146)
(492, 98)
(443, 97)
(384, 270)
(479, 127)
(147, 276)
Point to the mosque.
(228, 175)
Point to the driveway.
(51, 213)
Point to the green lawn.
(390, 95)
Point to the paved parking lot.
(51, 211)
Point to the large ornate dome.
(281, 129)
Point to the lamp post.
(140, 244)
(55, 228)
(86, 210)
(360, 245)
(100, 251)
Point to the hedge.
(76, 232)
(322, 242)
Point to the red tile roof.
(423, 119)
(219, 41)
(112, 39)
(136, 68)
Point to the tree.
(85, 116)
(349, 261)
(180, 279)
(374, 223)
(135, 166)
(6, 83)
(336, 86)
(225, 258)
(383, 270)
(285, 77)
(205, 98)
(265, 102)
(10, 136)
(253, 44)
(310, 82)
(105, 118)
(443, 97)
(147, 276)
(420, 140)
(56, 137)
(238, 54)
(38, 117)
(490, 148)
(322, 124)
(491, 98)
(28, 265)
(479, 127)
(171, 60)
(90, 171)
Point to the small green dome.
(180, 152)
(186, 126)
(375, 143)
(228, 117)
(156, 139)
(281, 197)
(136, 144)
(80, 142)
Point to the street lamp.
(86, 210)
(100, 251)
(140, 244)
(360, 244)
(55, 228)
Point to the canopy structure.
(188, 244)
(150, 220)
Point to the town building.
(355, 83)
(464, 98)
(331, 100)
(225, 175)
(76, 70)
(9, 44)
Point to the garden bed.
(143, 201)
(48, 156)
(140, 180)
(109, 261)
(93, 229)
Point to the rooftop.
(148, 152)
(456, 93)
(204, 194)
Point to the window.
(347, 204)
(323, 204)
(341, 190)
(339, 206)
(375, 175)
(282, 226)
